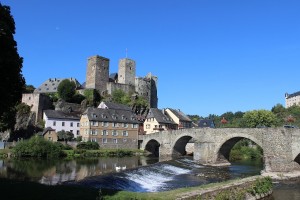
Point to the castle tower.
(127, 71)
(97, 73)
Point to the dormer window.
(94, 115)
(103, 116)
(123, 117)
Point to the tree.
(92, 96)
(66, 90)
(119, 96)
(11, 79)
(258, 118)
(65, 135)
(29, 89)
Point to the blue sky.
(211, 56)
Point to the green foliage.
(261, 186)
(11, 79)
(23, 108)
(37, 147)
(66, 90)
(259, 118)
(194, 118)
(29, 89)
(65, 135)
(119, 96)
(245, 150)
(88, 145)
(92, 96)
(53, 96)
(77, 98)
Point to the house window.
(94, 132)
(125, 133)
(77, 132)
(71, 131)
(105, 124)
(148, 126)
(124, 139)
(115, 140)
(63, 123)
(104, 140)
(71, 124)
(50, 138)
(94, 115)
(93, 139)
(104, 132)
(125, 125)
(114, 124)
(134, 125)
(86, 131)
(54, 123)
(114, 133)
(93, 123)
(77, 124)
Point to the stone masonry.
(97, 77)
(281, 146)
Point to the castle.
(98, 77)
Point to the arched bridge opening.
(297, 159)
(239, 148)
(183, 146)
(152, 147)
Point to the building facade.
(157, 121)
(292, 99)
(110, 125)
(59, 120)
(50, 134)
(179, 118)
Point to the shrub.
(38, 147)
(88, 145)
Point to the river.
(140, 174)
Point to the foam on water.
(154, 178)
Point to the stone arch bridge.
(281, 146)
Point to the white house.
(60, 120)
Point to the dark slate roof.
(113, 76)
(206, 123)
(57, 114)
(159, 116)
(83, 85)
(287, 96)
(50, 85)
(116, 106)
(181, 116)
(46, 130)
(111, 115)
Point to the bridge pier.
(204, 152)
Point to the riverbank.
(255, 187)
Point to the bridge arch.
(226, 145)
(297, 159)
(152, 146)
(180, 144)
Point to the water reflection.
(53, 172)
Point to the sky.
(210, 56)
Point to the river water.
(140, 174)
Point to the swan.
(118, 168)
(123, 168)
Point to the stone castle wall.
(38, 102)
(111, 87)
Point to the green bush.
(88, 145)
(38, 147)
(261, 186)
